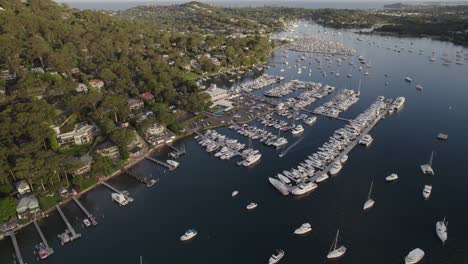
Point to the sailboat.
(369, 203)
(441, 230)
(427, 168)
(334, 251)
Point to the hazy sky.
(317, 1)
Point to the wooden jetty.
(148, 181)
(325, 115)
(15, 246)
(49, 250)
(91, 217)
(178, 151)
(162, 163)
(70, 228)
(125, 193)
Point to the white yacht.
(304, 188)
(399, 102)
(322, 178)
(311, 120)
(335, 251)
(275, 258)
(251, 159)
(235, 193)
(251, 206)
(189, 234)
(369, 202)
(366, 140)
(173, 163)
(427, 191)
(284, 179)
(414, 256)
(336, 167)
(86, 222)
(419, 87)
(120, 199)
(343, 159)
(279, 185)
(303, 229)
(391, 177)
(441, 229)
(408, 79)
(297, 130)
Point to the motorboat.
(173, 163)
(343, 159)
(279, 185)
(251, 159)
(369, 202)
(304, 188)
(322, 178)
(189, 234)
(251, 206)
(303, 229)
(119, 198)
(414, 256)
(276, 257)
(366, 140)
(235, 193)
(335, 251)
(419, 87)
(86, 222)
(311, 120)
(427, 191)
(391, 177)
(336, 168)
(297, 130)
(408, 79)
(284, 179)
(441, 230)
(42, 251)
(399, 103)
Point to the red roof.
(146, 96)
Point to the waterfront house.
(83, 133)
(146, 96)
(86, 162)
(27, 206)
(22, 187)
(108, 149)
(217, 93)
(155, 130)
(134, 104)
(96, 84)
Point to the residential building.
(27, 206)
(134, 104)
(86, 162)
(155, 130)
(96, 84)
(217, 93)
(108, 149)
(82, 134)
(23, 187)
(146, 96)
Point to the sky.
(317, 1)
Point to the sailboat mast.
(432, 157)
(370, 190)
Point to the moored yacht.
(235, 193)
(297, 130)
(321, 178)
(119, 198)
(343, 159)
(419, 87)
(366, 140)
(304, 188)
(335, 251)
(303, 229)
(275, 258)
(173, 163)
(279, 185)
(311, 120)
(336, 167)
(189, 234)
(251, 159)
(441, 230)
(251, 206)
(414, 256)
(427, 191)
(369, 202)
(408, 79)
(391, 177)
(399, 102)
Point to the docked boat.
(42, 251)
(336, 168)
(343, 159)
(235, 193)
(414, 256)
(391, 177)
(189, 234)
(427, 191)
(276, 257)
(369, 202)
(284, 179)
(441, 230)
(399, 103)
(119, 198)
(335, 251)
(303, 229)
(251, 206)
(86, 222)
(252, 159)
(366, 140)
(297, 130)
(311, 120)
(279, 185)
(304, 188)
(173, 163)
(322, 178)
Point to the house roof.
(146, 96)
(27, 203)
(21, 185)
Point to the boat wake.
(282, 154)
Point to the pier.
(325, 115)
(162, 163)
(49, 250)
(91, 217)
(148, 181)
(70, 228)
(125, 193)
(179, 152)
(15, 245)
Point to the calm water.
(298, 4)
(198, 194)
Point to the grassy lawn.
(47, 201)
(84, 182)
(75, 150)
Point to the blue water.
(109, 5)
(198, 194)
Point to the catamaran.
(370, 202)
(335, 251)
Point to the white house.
(216, 93)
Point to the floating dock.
(91, 217)
(162, 163)
(49, 250)
(16, 247)
(148, 181)
(70, 228)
